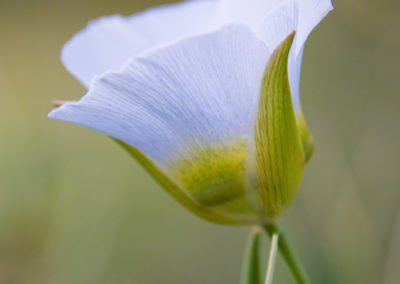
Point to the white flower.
(181, 85)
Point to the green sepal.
(251, 273)
(307, 140)
(279, 152)
(173, 189)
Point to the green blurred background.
(74, 208)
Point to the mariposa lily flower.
(205, 95)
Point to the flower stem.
(272, 258)
(288, 253)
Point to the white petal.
(198, 90)
(250, 12)
(311, 12)
(255, 13)
(106, 43)
(278, 24)
(294, 69)
(273, 20)
(274, 29)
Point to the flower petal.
(199, 90)
(106, 43)
(311, 12)
(255, 13)
(273, 20)
(189, 107)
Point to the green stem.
(288, 253)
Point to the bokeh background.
(74, 208)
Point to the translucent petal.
(200, 90)
(106, 43)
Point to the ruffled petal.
(200, 90)
(106, 43)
